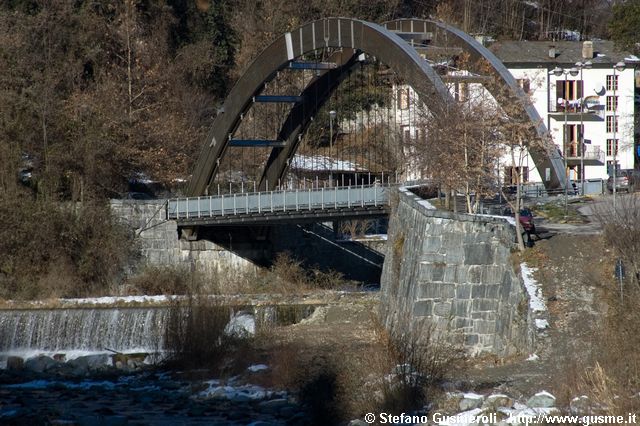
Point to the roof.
(567, 52)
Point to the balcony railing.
(591, 154)
(589, 106)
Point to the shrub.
(59, 250)
(163, 280)
(195, 335)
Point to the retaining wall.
(159, 244)
(456, 270)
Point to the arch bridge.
(273, 123)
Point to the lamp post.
(332, 116)
(557, 71)
(620, 66)
(581, 66)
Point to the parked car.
(626, 180)
(526, 221)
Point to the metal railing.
(263, 203)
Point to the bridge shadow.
(314, 244)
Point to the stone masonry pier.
(456, 270)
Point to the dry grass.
(612, 381)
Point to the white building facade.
(588, 110)
(593, 103)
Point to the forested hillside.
(96, 93)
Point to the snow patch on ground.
(542, 324)
(536, 301)
(112, 300)
(510, 219)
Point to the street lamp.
(620, 66)
(557, 71)
(332, 116)
(581, 66)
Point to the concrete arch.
(355, 36)
(347, 33)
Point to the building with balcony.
(584, 92)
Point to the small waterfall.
(119, 329)
(59, 330)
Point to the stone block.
(484, 327)
(423, 308)
(431, 244)
(485, 315)
(460, 308)
(470, 339)
(442, 309)
(492, 291)
(478, 254)
(437, 271)
(474, 274)
(436, 291)
(492, 274)
(463, 291)
(484, 305)
(478, 291)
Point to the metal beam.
(315, 94)
(277, 99)
(308, 65)
(257, 142)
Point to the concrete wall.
(158, 241)
(456, 270)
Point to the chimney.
(552, 51)
(587, 50)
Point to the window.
(611, 143)
(407, 134)
(574, 133)
(403, 98)
(612, 82)
(568, 90)
(612, 103)
(612, 124)
(524, 84)
(610, 167)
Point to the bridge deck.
(285, 206)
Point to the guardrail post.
(177, 209)
(297, 201)
(335, 196)
(210, 206)
(234, 204)
(322, 198)
(271, 200)
(222, 204)
(349, 196)
(309, 198)
(362, 195)
(284, 200)
(259, 202)
(198, 207)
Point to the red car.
(526, 221)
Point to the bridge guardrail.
(278, 201)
